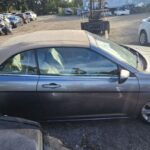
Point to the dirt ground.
(124, 29)
(96, 135)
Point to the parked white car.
(107, 13)
(144, 32)
(31, 15)
(68, 11)
(122, 11)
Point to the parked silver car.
(31, 15)
(73, 75)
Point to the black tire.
(5, 31)
(14, 25)
(26, 22)
(145, 113)
(143, 38)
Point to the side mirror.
(124, 75)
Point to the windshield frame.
(111, 56)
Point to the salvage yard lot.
(124, 29)
(96, 135)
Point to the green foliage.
(5, 5)
(39, 6)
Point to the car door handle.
(51, 85)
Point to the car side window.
(23, 63)
(74, 62)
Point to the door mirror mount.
(123, 75)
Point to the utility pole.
(91, 8)
(100, 4)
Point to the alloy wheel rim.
(143, 38)
(146, 112)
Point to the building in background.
(117, 3)
(86, 3)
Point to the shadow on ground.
(102, 135)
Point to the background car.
(1, 26)
(24, 17)
(31, 15)
(68, 11)
(122, 11)
(7, 14)
(5, 25)
(144, 32)
(15, 21)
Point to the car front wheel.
(143, 38)
(145, 112)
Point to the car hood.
(144, 51)
(19, 134)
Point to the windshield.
(12, 18)
(117, 51)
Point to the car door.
(78, 82)
(18, 82)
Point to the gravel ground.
(96, 135)
(124, 29)
(102, 135)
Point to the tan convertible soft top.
(50, 38)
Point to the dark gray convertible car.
(73, 75)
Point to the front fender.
(144, 94)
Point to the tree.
(78, 3)
(15, 4)
(4, 5)
(39, 6)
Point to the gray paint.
(18, 83)
(75, 97)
